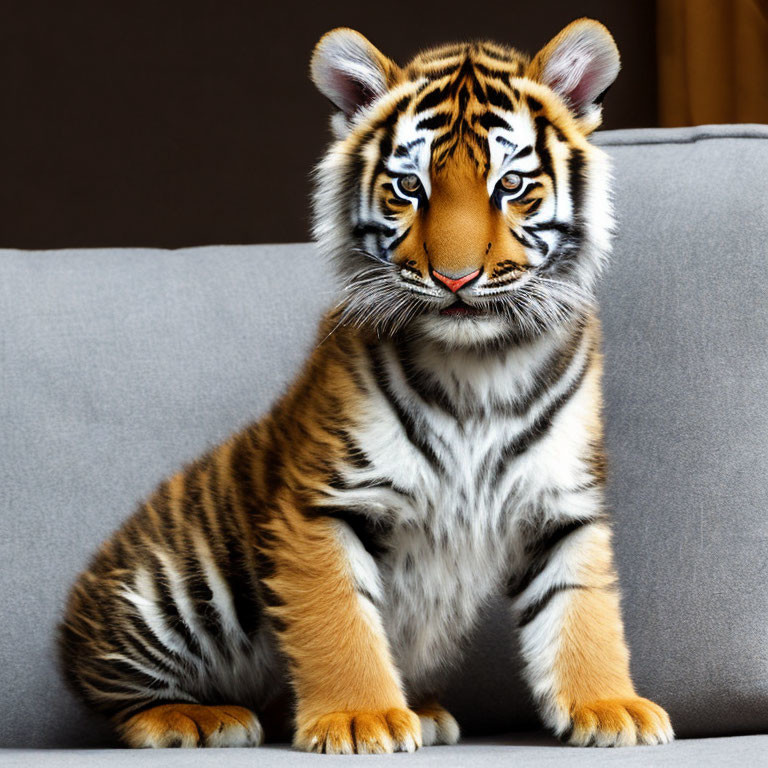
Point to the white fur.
(345, 55)
(584, 63)
(251, 674)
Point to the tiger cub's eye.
(410, 183)
(511, 182)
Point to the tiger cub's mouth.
(460, 309)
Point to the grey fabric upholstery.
(517, 751)
(117, 366)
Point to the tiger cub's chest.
(446, 551)
(436, 576)
(449, 480)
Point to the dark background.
(189, 122)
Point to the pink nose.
(455, 284)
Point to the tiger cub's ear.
(579, 64)
(350, 71)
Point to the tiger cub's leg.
(168, 619)
(572, 640)
(192, 725)
(323, 591)
(438, 725)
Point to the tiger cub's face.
(461, 198)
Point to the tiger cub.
(442, 443)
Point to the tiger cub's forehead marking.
(464, 91)
(509, 146)
(411, 147)
(512, 149)
(459, 96)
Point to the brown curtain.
(713, 61)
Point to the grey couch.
(118, 365)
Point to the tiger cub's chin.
(327, 563)
(464, 331)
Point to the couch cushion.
(116, 366)
(518, 751)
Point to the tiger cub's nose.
(456, 282)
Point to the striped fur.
(442, 443)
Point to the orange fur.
(592, 666)
(189, 725)
(337, 649)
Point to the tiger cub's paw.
(344, 733)
(619, 723)
(438, 725)
(193, 725)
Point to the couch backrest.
(116, 366)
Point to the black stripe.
(118, 672)
(533, 610)
(404, 150)
(161, 503)
(539, 550)
(105, 685)
(497, 55)
(533, 104)
(478, 89)
(459, 82)
(576, 183)
(541, 245)
(353, 172)
(374, 227)
(530, 174)
(522, 239)
(354, 454)
(147, 636)
(139, 650)
(554, 534)
(385, 143)
(542, 150)
(442, 139)
(439, 120)
(381, 483)
(265, 567)
(272, 467)
(173, 618)
(534, 206)
(522, 442)
(548, 374)
(422, 383)
(499, 74)
(601, 96)
(372, 533)
(468, 149)
(191, 570)
(491, 120)
(234, 565)
(439, 73)
(447, 51)
(558, 226)
(397, 110)
(412, 432)
(399, 239)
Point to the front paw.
(619, 723)
(438, 725)
(377, 732)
